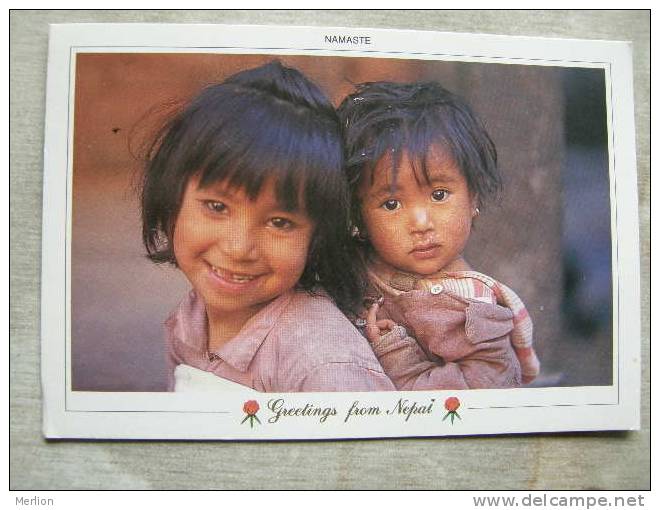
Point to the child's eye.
(391, 205)
(216, 207)
(281, 223)
(439, 195)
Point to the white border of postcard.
(69, 414)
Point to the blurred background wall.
(548, 237)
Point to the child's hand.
(376, 328)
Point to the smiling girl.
(244, 193)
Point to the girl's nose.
(239, 243)
(420, 220)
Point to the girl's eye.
(391, 205)
(281, 223)
(216, 207)
(439, 195)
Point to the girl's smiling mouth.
(232, 280)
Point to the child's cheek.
(457, 229)
(384, 224)
(373, 219)
(190, 236)
(291, 254)
(179, 238)
(465, 222)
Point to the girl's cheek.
(372, 220)
(177, 237)
(382, 223)
(301, 247)
(304, 244)
(465, 223)
(182, 233)
(290, 251)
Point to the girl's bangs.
(297, 156)
(433, 130)
(416, 140)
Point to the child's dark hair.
(385, 116)
(267, 122)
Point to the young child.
(421, 164)
(244, 192)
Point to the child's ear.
(475, 205)
(358, 228)
(359, 233)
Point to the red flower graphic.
(451, 405)
(250, 408)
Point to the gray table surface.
(615, 460)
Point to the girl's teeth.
(233, 277)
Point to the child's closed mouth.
(425, 251)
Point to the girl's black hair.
(267, 122)
(391, 117)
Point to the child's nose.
(420, 220)
(239, 243)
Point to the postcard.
(257, 233)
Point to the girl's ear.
(475, 205)
(358, 228)
(359, 233)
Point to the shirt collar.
(394, 282)
(189, 326)
(390, 280)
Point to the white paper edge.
(147, 415)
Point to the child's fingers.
(386, 325)
(383, 324)
(375, 328)
(372, 330)
(372, 314)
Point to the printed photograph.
(298, 223)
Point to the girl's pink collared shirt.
(299, 342)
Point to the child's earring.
(476, 212)
(358, 235)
